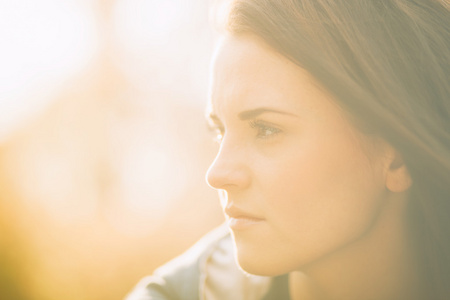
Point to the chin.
(261, 264)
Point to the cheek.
(320, 168)
(324, 195)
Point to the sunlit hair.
(387, 64)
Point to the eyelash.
(217, 131)
(264, 130)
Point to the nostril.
(226, 174)
(229, 168)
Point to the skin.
(330, 203)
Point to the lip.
(239, 219)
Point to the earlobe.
(398, 178)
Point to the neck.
(380, 265)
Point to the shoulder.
(208, 270)
(180, 276)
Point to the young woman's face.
(298, 182)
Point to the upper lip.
(236, 212)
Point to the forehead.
(247, 72)
(249, 50)
(246, 60)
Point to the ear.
(398, 178)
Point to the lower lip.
(243, 223)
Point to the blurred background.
(103, 143)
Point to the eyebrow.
(252, 113)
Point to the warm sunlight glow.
(103, 143)
(44, 44)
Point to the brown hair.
(387, 63)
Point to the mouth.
(242, 223)
(238, 219)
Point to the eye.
(216, 127)
(217, 132)
(218, 136)
(264, 129)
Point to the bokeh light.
(103, 145)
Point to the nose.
(229, 169)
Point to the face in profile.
(298, 182)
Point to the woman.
(334, 163)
